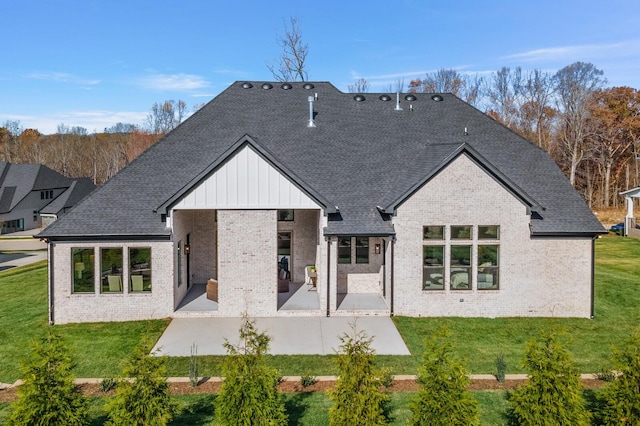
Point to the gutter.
(593, 279)
(391, 280)
(50, 282)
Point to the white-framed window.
(460, 257)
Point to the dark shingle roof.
(25, 178)
(360, 156)
(79, 189)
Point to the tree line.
(591, 131)
(74, 152)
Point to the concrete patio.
(289, 336)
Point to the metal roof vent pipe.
(311, 123)
(398, 107)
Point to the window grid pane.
(83, 270)
(362, 249)
(433, 232)
(433, 267)
(111, 270)
(140, 269)
(344, 250)
(461, 232)
(460, 267)
(488, 267)
(491, 232)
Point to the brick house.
(412, 204)
(33, 196)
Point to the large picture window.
(83, 260)
(111, 270)
(450, 260)
(140, 270)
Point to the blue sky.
(95, 63)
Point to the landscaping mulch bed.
(184, 388)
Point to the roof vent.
(267, 86)
(308, 86)
(247, 85)
(359, 98)
(398, 107)
(385, 98)
(311, 123)
(286, 86)
(411, 98)
(437, 98)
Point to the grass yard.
(99, 349)
(304, 409)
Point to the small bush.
(145, 400)
(553, 393)
(386, 378)
(443, 398)
(621, 399)
(108, 384)
(49, 395)
(606, 375)
(357, 398)
(308, 380)
(249, 395)
(501, 368)
(193, 366)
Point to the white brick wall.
(247, 262)
(123, 306)
(538, 277)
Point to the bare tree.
(360, 86)
(574, 86)
(449, 81)
(398, 86)
(536, 112)
(504, 95)
(11, 139)
(292, 62)
(166, 116)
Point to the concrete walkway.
(289, 336)
(20, 248)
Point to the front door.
(284, 256)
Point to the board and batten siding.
(246, 181)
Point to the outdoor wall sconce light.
(376, 248)
(187, 249)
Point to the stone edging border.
(82, 381)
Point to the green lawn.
(100, 348)
(304, 409)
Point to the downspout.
(328, 275)
(593, 260)
(384, 268)
(50, 287)
(391, 279)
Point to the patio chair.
(136, 283)
(115, 283)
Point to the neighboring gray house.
(413, 204)
(28, 190)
